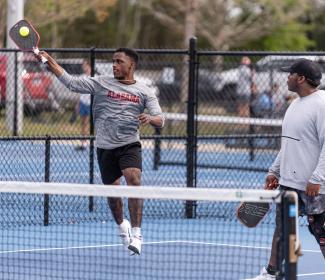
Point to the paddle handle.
(43, 59)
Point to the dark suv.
(208, 88)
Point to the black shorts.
(112, 162)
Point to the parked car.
(268, 72)
(36, 84)
(62, 95)
(170, 87)
(3, 67)
(37, 88)
(220, 87)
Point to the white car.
(268, 72)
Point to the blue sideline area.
(94, 251)
(55, 251)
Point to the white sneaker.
(125, 232)
(135, 245)
(263, 276)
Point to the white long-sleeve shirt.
(302, 155)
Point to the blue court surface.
(95, 252)
(209, 247)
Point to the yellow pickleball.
(24, 31)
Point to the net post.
(47, 178)
(157, 149)
(290, 235)
(191, 128)
(91, 171)
(15, 128)
(251, 131)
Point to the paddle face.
(28, 42)
(251, 213)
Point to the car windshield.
(72, 68)
(32, 67)
(275, 63)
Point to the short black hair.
(130, 53)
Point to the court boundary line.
(35, 250)
(311, 274)
(311, 251)
(145, 243)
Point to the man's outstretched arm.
(52, 65)
(76, 84)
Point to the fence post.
(15, 128)
(91, 132)
(47, 178)
(251, 130)
(191, 128)
(157, 149)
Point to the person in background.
(265, 104)
(244, 87)
(84, 108)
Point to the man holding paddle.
(118, 110)
(300, 164)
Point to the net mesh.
(82, 244)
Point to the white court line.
(116, 245)
(312, 251)
(58, 248)
(311, 274)
(302, 275)
(145, 243)
(155, 242)
(307, 274)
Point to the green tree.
(291, 37)
(3, 12)
(227, 24)
(218, 24)
(318, 32)
(47, 15)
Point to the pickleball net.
(80, 244)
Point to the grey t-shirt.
(116, 107)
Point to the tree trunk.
(3, 16)
(54, 28)
(189, 31)
(122, 22)
(136, 26)
(190, 20)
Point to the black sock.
(271, 269)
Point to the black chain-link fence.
(223, 119)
